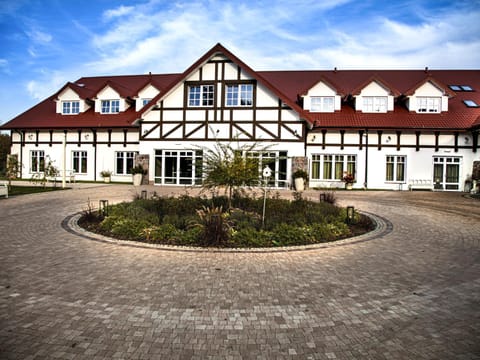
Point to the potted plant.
(348, 179)
(106, 175)
(300, 178)
(138, 172)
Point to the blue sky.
(45, 43)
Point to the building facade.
(388, 129)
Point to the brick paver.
(412, 293)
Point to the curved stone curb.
(382, 228)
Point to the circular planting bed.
(218, 222)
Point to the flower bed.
(198, 221)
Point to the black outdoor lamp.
(103, 207)
(350, 214)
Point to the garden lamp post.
(267, 172)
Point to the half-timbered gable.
(219, 98)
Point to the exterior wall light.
(350, 214)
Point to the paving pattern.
(412, 293)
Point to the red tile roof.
(289, 86)
(458, 116)
(44, 116)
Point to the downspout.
(64, 160)
(365, 184)
(94, 154)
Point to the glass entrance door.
(446, 172)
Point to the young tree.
(230, 167)
(13, 168)
(4, 151)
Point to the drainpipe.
(64, 160)
(365, 184)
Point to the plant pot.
(299, 184)
(349, 186)
(137, 179)
(106, 179)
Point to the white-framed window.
(124, 162)
(429, 104)
(70, 107)
(79, 161)
(332, 166)
(395, 168)
(37, 161)
(201, 95)
(145, 101)
(239, 95)
(322, 104)
(110, 106)
(373, 104)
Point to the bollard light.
(350, 214)
(144, 194)
(322, 197)
(103, 207)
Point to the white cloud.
(46, 83)
(39, 37)
(4, 66)
(170, 37)
(118, 12)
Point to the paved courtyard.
(411, 293)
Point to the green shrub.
(250, 237)
(129, 228)
(165, 233)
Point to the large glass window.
(332, 166)
(322, 104)
(429, 104)
(183, 167)
(374, 104)
(110, 106)
(239, 95)
(70, 107)
(201, 95)
(395, 168)
(124, 162)
(37, 161)
(79, 161)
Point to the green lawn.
(23, 190)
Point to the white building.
(387, 128)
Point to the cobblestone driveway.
(413, 293)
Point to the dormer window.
(110, 106)
(373, 104)
(322, 103)
(145, 101)
(429, 104)
(70, 107)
